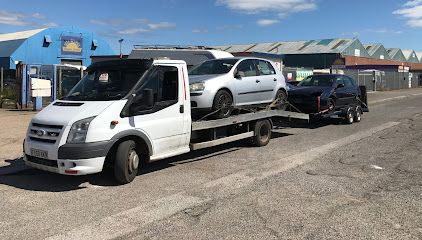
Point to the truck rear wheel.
(262, 133)
(127, 162)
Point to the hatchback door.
(268, 80)
(247, 83)
(341, 92)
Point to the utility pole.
(2, 81)
(120, 42)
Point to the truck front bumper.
(67, 166)
(69, 159)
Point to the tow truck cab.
(117, 101)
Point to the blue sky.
(394, 23)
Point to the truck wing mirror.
(148, 98)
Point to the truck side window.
(164, 83)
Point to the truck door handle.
(275, 79)
(182, 109)
(257, 81)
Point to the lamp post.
(120, 42)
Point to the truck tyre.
(262, 133)
(127, 162)
(358, 114)
(223, 104)
(280, 100)
(350, 115)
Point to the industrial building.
(55, 54)
(373, 65)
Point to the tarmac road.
(335, 181)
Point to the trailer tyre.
(262, 133)
(350, 115)
(127, 162)
(358, 114)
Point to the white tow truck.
(127, 112)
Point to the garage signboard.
(71, 45)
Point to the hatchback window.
(247, 68)
(217, 66)
(265, 68)
(317, 80)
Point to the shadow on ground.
(18, 175)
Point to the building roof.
(9, 42)
(19, 35)
(419, 54)
(411, 56)
(372, 48)
(338, 45)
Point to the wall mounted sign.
(71, 45)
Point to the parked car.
(219, 85)
(326, 92)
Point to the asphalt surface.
(324, 181)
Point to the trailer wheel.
(358, 114)
(350, 115)
(262, 133)
(223, 102)
(127, 162)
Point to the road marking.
(133, 219)
(376, 167)
(416, 94)
(387, 99)
(128, 221)
(305, 157)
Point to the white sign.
(40, 87)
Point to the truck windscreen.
(105, 85)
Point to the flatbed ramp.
(235, 120)
(247, 117)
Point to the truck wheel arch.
(140, 138)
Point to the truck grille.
(41, 161)
(44, 132)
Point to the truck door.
(268, 80)
(164, 121)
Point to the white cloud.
(38, 16)
(266, 22)
(118, 26)
(412, 12)
(200, 30)
(161, 25)
(14, 19)
(275, 6)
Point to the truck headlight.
(195, 87)
(79, 130)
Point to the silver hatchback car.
(219, 85)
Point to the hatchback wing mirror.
(341, 85)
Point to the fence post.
(2, 81)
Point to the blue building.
(61, 45)
(56, 54)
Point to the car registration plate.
(39, 153)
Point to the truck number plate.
(39, 153)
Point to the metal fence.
(375, 80)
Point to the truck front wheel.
(262, 133)
(127, 162)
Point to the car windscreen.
(216, 66)
(317, 81)
(104, 85)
